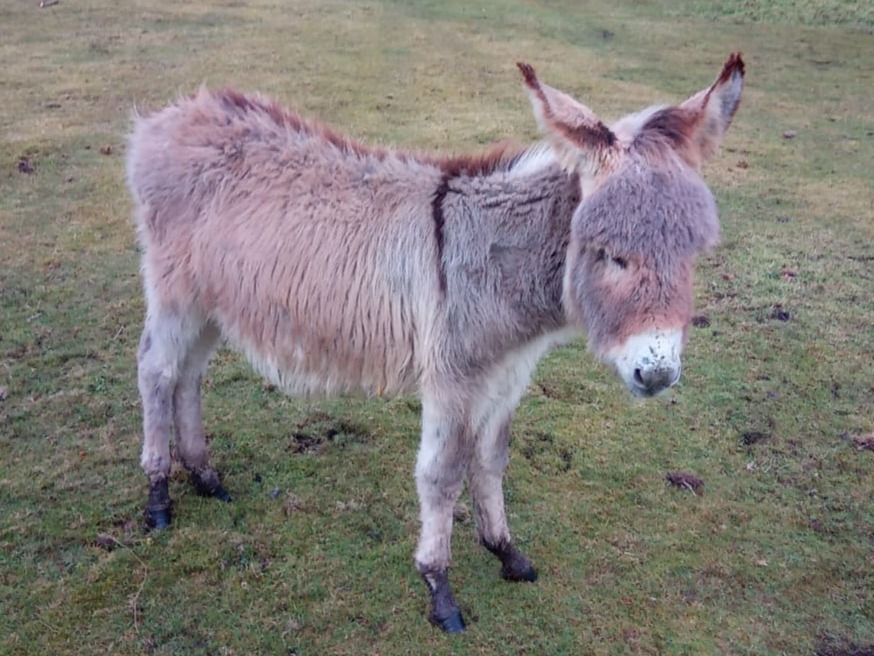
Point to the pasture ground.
(774, 556)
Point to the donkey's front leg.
(439, 477)
(490, 458)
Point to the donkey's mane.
(500, 157)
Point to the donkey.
(337, 268)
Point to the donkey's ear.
(704, 119)
(579, 138)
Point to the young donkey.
(335, 268)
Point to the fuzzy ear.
(697, 126)
(579, 138)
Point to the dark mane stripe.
(439, 221)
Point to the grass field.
(775, 556)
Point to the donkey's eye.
(601, 256)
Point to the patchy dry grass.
(773, 556)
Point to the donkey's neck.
(504, 239)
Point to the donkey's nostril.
(653, 381)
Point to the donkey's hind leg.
(187, 415)
(163, 346)
(169, 338)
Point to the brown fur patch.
(500, 157)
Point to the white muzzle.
(649, 363)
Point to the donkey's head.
(645, 214)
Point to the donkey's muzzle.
(649, 362)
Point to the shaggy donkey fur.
(339, 268)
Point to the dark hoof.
(158, 519)
(221, 494)
(451, 623)
(444, 610)
(514, 565)
(206, 483)
(158, 508)
(525, 573)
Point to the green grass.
(774, 557)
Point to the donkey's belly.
(318, 367)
